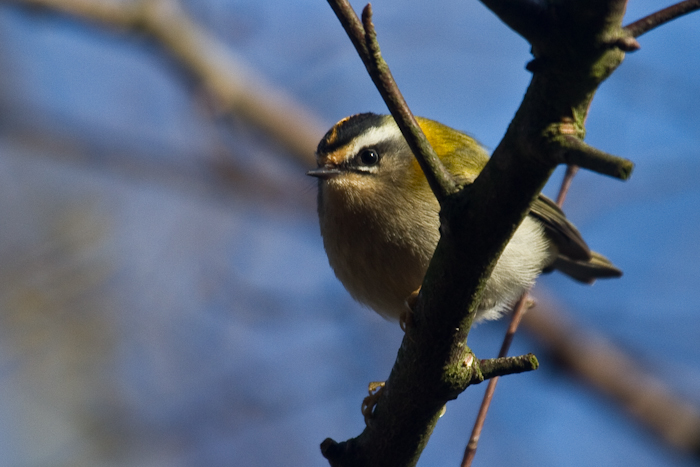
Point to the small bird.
(380, 220)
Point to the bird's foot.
(406, 318)
(530, 302)
(375, 389)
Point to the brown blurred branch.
(605, 367)
(235, 87)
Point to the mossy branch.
(576, 152)
(508, 365)
(576, 44)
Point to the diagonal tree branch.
(434, 365)
(364, 38)
(661, 17)
(431, 368)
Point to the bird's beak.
(324, 173)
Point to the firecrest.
(380, 220)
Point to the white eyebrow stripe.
(374, 136)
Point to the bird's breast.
(378, 247)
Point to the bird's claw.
(406, 318)
(375, 389)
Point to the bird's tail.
(587, 271)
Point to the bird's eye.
(368, 157)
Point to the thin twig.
(571, 171)
(655, 20)
(503, 366)
(518, 312)
(364, 38)
(575, 152)
(470, 450)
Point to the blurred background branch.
(234, 86)
(602, 365)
